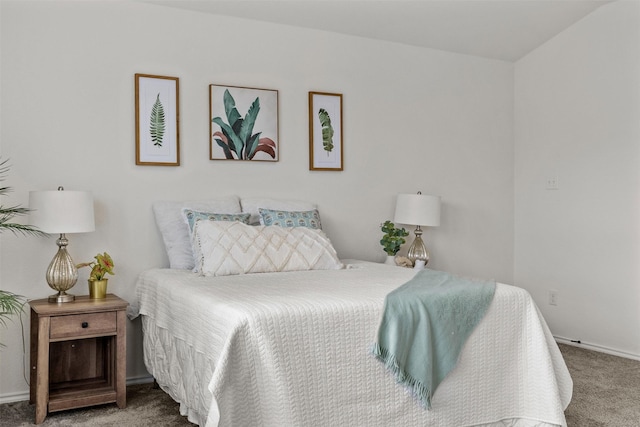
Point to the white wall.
(577, 116)
(414, 119)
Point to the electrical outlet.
(553, 297)
(552, 183)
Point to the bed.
(292, 348)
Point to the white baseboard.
(599, 348)
(13, 397)
(20, 396)
(140, 380)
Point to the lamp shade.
(62, 211)
(417, 209)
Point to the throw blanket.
(424, 326)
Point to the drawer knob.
(85, 324)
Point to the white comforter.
(292, 349)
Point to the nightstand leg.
(33, 356)
(121, 361)
(42, 370)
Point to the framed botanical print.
(157, 120)
(325, 131)
(243, 123)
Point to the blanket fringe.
(416, 387)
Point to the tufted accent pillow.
(310, 219)
(226, 248)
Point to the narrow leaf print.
(157, 124)
(327, 130)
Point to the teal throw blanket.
(424, 326)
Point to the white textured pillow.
(252, 204)
(226, 248)
(175, 232)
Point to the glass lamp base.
(418, 251)
(62, 297)
(62, 273)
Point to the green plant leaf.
(223, 142)
(157, 125)
(10, 303)
(230, 134)
(252, 144)
(393, 239)
(225, 149)
(226, 138)
(230, 108)
(246, 129)
(8, 213)
(233, 129)
(239, 131)
(327, 130)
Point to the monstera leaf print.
(327, 130)
(157, 124)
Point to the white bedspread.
(292, 349)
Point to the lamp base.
(418, 251)
(61, 297)
(62, 273)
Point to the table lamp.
(62, 212)
(419, 210)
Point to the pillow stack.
(215, 238)
(174, 231)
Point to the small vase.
(391, 260)
(98, 288)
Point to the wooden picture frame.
(325, 132)
(157, 120)
(243, 123)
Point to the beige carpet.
(146, 407)
(606, 393)
(606, 389)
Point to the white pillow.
(252, 204)
(224, 248)
(175, 232)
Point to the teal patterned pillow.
(309, 219)
(192, 216)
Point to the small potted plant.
(392, 240)
(102, 266)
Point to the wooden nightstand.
(78, 354)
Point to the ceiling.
(498, 29)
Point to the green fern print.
(327, 130)
(157, 124)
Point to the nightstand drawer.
(78, 325)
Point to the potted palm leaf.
(10, 303)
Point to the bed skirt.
(180, 371)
